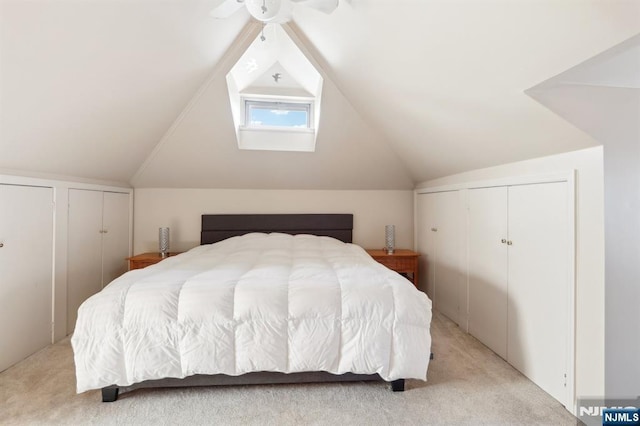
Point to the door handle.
(1, 245)
(503, 241)
(509, 243)
(434, 229)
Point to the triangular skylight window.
(275, 93)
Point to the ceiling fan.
(270, 11)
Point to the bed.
(263, 299)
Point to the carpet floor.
(468, 384)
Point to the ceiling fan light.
(263, 10)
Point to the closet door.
(427, 242)
(26, 271)
(448, 271)
(488, 267)
(115, 238)
(539, 276)
(84, 265)
(440, 223)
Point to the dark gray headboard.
(218, 227)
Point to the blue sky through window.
(278, 114)
(279, 118)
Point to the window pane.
(277, 114)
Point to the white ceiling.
(88, 88)
(601, 95)
(276, 53)
(414, 89)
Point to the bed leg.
(397, 385)
(110, 394)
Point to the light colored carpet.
(468, 384)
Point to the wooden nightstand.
(143, 260)
(401, 261)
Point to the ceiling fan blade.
(226, 9)
(326, 6)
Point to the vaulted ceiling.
(601, 96)
(134, 91)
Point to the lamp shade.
(163, 241)
(390, 238)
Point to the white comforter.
(260, 302)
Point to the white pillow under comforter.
(260, 302)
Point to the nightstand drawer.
(398, 264)
(140, 264)
(401, 261)
(143, 260)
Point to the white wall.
(181, 210)
(622, 213)
(601, 96)
(61, 197)
(588, 164)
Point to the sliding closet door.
(539, 276)
(26, 269)
(488, 267)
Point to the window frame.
(278, 103)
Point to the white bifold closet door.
(439, 228)
(98, 244)
(115, 239)
(539, 279)
(488, 267)
(519, 277)
(26, 270)
(426, 244)
(84, 264)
